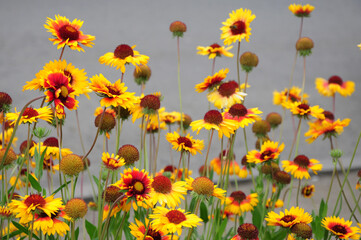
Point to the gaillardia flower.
(111, 162)
(236, 27)
(203, 186)
(246, 231)
(51, 145)
(300, 165)
(31, 115)
(288, 218)
(301, 11)
(292, 95)
(334, 85)
(51, 224)
(186, 143)
(173, 220)
(307, 191)
(226, 95)
(68, 33)
(141, 231)
(242, 115)
(269, 151)
(304, 110)
(112, 94)
(238, 202)
(340, 228)
(213, 119)
(123, 55)
(211, 82)
(136, 186)
(326, 128)
(215, 50)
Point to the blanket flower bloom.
(31, 115)
(269, 151)
(242, 115)
(211, 82)
(145, 231)
(226, 95)
(333, 85)
(215, 50)
(301, 10)
(300, 165)
(186, 143)
(340, 228)
(288, 218)
(238, 202)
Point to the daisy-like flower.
(175, 174)
(138, 230)
(25, 208)
(58, 90)
(242, 115)
(7, 136)
(5, 212)
(288, 218)
(218, 165)
(340, 228)
(51, 224)
(215, 50)
(333, 85)
(213, 119)
(212, 82)
(238, 202)
(51, 145)
(300, 165)
(325, 128)
(269, 151)
(68, 33)
(123, 55)
(148, 105)
(169, 117)
(112, 162)
(236, 27)
(136, 186)
(304, 110)
(292, 95)
(31, 115)
(112, 94)
(307, 191)
(203, 186)
(301, 11)
(226, 95)
(173, 220)
(165, 192)
(77, 78)
(186, 143)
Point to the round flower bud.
(108, 122)
(304, 46)
(261, 128)
(142, 74)
(123, 113)
(270, 168)
(24, 144)
(150, 102)
(10, 157)
(274, 119)
(336, 153)
(186, 121)
(5, 102)
(203, 186)
(177, 28)
(258, 141)
(76, 208)
(302, 230)
(248, 61)
(112, 193)
(129, 153)
(71, 165)
(282, 177)
(247, 231)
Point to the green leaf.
(59, 188)
(13, 234)
(23, 229)
(204, 212)
(34, 183)
(91, 229)
(192, 206)
(281, 234)
(221, 229)
(77, 233)
(257, 216)
(39, 160)
(96, 180)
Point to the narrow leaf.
(34, 183)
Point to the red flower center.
(153, 235)
(248, 231)
(68, 74)
(266, 155)
(51, 142)
(304, 106)
(335, 80)
(238, 110)
(329, 115)
(244, 161)
(288, 218)
(238, 28)
(29, 113)
(123, 51)
(169, 168)
(5, 99)
(339, 229)
(302, 161)
(113, 90)
(292, 97)
(68, 32)
(35, 200)
(213, 117)
(150, 102)
(215, 45)
(186, 141)
(228, 89)
(162, 184)
(238, 196)
(175, 216)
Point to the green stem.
(296, 138)
(209, 147)
(179, 88)
(238, 63)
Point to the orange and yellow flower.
(304, 110)
(288, 218)
(238, 202)
(169, 117)
(242, 115)
(68, 33)
(226, 95)
(326, 128)
(292, 95)
(205, 186)
(112, 94)
(111, 162)
(31, 115)
(173, 220)
(186, 143)
(214, 50)
(51, 145)
(138, 230)
(51, 225)
(308, 191)
(237, 26)
(340, 228)
(123, 55)
(269, 151)
(300, 165)
(212, 82)
(214, 120)
(334, 85)
(301, 10)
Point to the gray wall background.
(334, 27)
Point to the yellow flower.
(226, 95)
(303, 110)
(238, 202)
(325, 127)
(307, 191)
(242, 115)
(214, 50)
(31, 115)
(300, 165)
(123, 55)
(301, 11)
(293, 95)
(211, 82)
(334, 85)
(204, 186)
(236, 27)
(146, 232)
(186, 143)
(288, 218)
(269, 151)
(340, 228)
(68, 33)
(111, 162)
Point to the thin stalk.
(157, 147)
(79, 131)
(295, 138)
(332, 178)
(179, 164)
(206, 160)
(28, 163)
(121, 227)
(298, 191)
(179, 88)
(238, 63)
(303, 77)
(357, 204)
(195, 212)
(62, 52)
(213, 65)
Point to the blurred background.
(334, 27)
